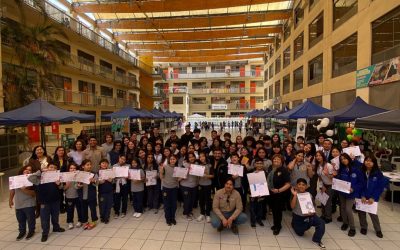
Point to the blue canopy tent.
(358, 109)
(278, 112)
(304, 110)
(261, 113)
(126, 112)
(158, 114)
(271, 113)
(147, 114)
(40, 111)
(176, 115)
(251, 113)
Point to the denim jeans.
(49, 211)
(26, 215)
(170, 196)
(71, 204)
(216, 221)
(301, 224)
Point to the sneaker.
(220, 228)
(363, 231)
(70, 226)
(260, 223)
(276, 231)
(189, 218)
(200, 218)
(320, 244)
(234, 229)
(92, 225)
(44, 238)
(59, 230)
(208, 219)
(30, 235)
(78, 225)
(116, 216)
(379, 234)
(352, 232)
(138, 215)
(123, 215)
(134, 215)
(344, 227)
(20, 236)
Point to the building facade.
(322, 47)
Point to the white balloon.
(319, 127)
(329, 132)
(324, 122)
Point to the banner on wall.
(120, 126)
(219, 106)
(381, 73)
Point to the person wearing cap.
(302, 222)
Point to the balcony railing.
(204, 91)
(225, 106)
(88, 99)
(227, 74)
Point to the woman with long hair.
(76, 153)
(39, 159)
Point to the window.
(342, 11)
(316, 100)
(120, 71)
(199, 85)
(218, 85)
(177, 100)
(121, 94)
(277, 89)
(85, 56)
(277, 65)
(316, 30)
(286, 31)
(218, 100)
(271, 91)
(311, 3)
(315, 70)
(106, 91)
(266, 74)
(386, 37)
(237, 114)
(259, 99)
(342, 99)
(286, 57)
(298, 79)
(296, 103)
(182, 70)
(286, 84)
(198, 69)
(217, 114)
(344, 56)
(236, 68)
(259, 84)
(86, 87)
(265, 94)
(199, 100)
(63, 46)
(60, 82)
(105, 66)
(298, 14)
(298, 45)
(271, 70)
(277, 42)
(218, 69)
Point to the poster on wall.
(120, 126)
(381, 73)
(301, 127)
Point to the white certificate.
(235, 170)
(352, 151)
(49, 177)
(105, 174)
(336, 162)
(372, 209)
(67, 176)
(151, 178)
(259, 189)
(134, 174)
(342, 186)
(180, 172)
(255, 178)
(305, 202)
(197, 170)
(121, 172)
(322, 197)
(83, 177)
(19, 181)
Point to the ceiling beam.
(218, 58)
(195, 21)
(199, 35)
(201, 45)
(160, 6)
(195, 53)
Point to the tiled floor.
(150, 233)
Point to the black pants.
(50, 210)
(205, 200)
(153, 193)
(170, 196)
(86, 205)
(105, 205)
(26, 215)
(256, 209)
(71, 205)
(277, 204)
(188, 195)
(121, 198)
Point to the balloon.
(349, 137)
(329, 132)
(358, 132)
(354, 131)
(349, 131)
(319, 127)
(317, 122)
(356, 138)
(325, 122)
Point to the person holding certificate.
(348, 172)
(88, 197)
(238, 179)
(121, 190)
(153, 191)
(302, 222)
(169, 189)
(137, 189)
(105, 194)
(278, 183)
(189, 189)
(257, 203)
(72, 200)
(374, 184)
(24, 200)
(205, 186)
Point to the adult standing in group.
(187, 136)
(94, 153)
(109, 144)
(76, 153)
(278, 184)
(220, 168)
(172, 138)
(227, 208)
(83, 136)
(39, 159)
(155, 136)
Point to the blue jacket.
(355, 177)
(374, 185)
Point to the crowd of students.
(290, 166)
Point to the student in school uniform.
(121, 190)
(88, 197)
(188, 188)
(137, 189)
(153, 191)
(374, 184)
(257, 203)
(24, 201)
(106, 195)
(72, 199)
(303, 222)
(49, 198)
(169, 189)
(205, 186)
(238, 179)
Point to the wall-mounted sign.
(381, 73)
(219, 106)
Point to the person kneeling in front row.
(302, 222)
(227, 208)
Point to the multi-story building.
(212, 90)
(323, 46)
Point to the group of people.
(290, 167)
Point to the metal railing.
(184, 90)
(229, 106)
(227, 74)
(88, 99)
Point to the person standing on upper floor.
(108, 145)
(94, 153)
